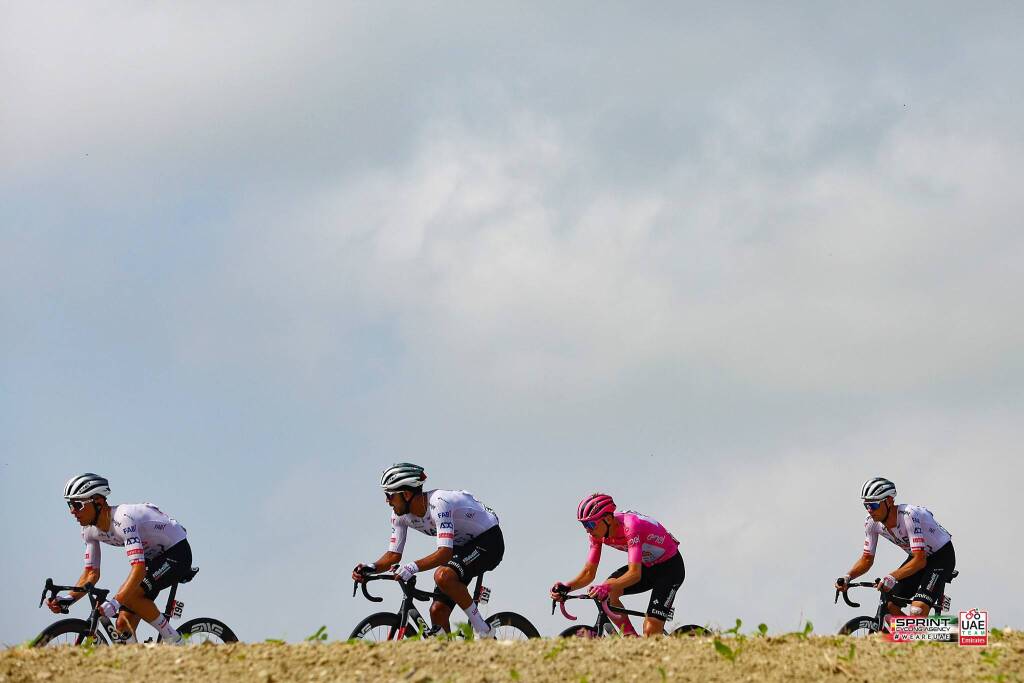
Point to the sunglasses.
(590, 525)
(77, 505)
(872, 506)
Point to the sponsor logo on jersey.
(656, 538)
(447, 525)
(446, 513)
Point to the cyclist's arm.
(435, 559)
(631, 576)
(386, 561)
(585, 577)
(918, 560)
(861, 566)
(89, 575)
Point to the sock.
(475, 619)
(169, 633)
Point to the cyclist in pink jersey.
(653, 562)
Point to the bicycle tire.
(367, 629)
(691, 631)
(78, 628)
(580, 632)
(859, 626)
(512, 626)
(207, 630)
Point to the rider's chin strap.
(96, 509)
(608, 529)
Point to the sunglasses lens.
(589, 525)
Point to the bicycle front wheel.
(512, 626)
(859, 626)
(580, 632)
(67, 632)
(378, 627)
(207, 630)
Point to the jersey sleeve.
(133, 547)
(594, 555)
(92, 551)
(445, 521)
(634, 548)
(398, 534)
(870, 537)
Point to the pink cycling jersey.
(645, 541)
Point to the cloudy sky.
(723, 262)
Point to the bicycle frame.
(604, 624)
(884, 598)
(98, 596)
(407, 612)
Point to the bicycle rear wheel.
(206, 630)
(691, 631)
(580, 632)
(66, 632)
(378, 627)
(512, 626)
(859, 626)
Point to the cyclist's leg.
(162, 571)
(615, 597)
(441, 612)
(933, 583)
(667, 577)
(482, 554)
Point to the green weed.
(319, 635)
(725, 651)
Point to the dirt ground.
(613, 659)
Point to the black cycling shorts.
(928, 584)
(663, 580)
(167, 568)
(471, 559)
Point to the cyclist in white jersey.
(930, 556)
(157, 550)
(469, 542)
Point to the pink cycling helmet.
(595, 506)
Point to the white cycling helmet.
(402, 476)
(85, 486)
(878, 488)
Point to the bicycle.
(866, 625)
(407, 622)
(81, 631)
(604, 626)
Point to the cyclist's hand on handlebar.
(600, 591)
(362, 570)
(886, 583)
(842, 583)
(559, 590)
(54, 605)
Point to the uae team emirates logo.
(974, 627)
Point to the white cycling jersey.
(916, 529)
(142, 529)
(455, 517)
